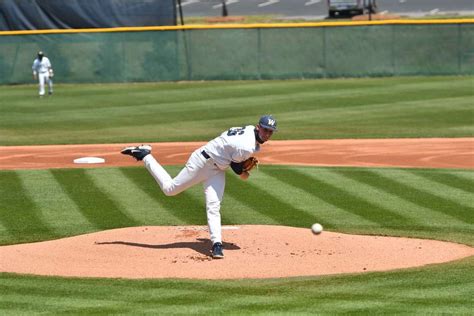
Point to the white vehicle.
(350, 7)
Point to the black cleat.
(217, 251)
(137, 152)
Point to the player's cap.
(268, 121)
(40, 53)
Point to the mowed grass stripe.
(341, 108)
(19, 307)
(199, 96)
(266, 203)
(464, 176)
(396, 197)
(233, 212)
(452, 180)
(201, 90)
(96, 206)
(87, 301)
(339, 196)
(185, 207)
(430, 289)
(57, 208)
(164, 301)
(385, 119)
(215, 93)
(131, 199)
(419, 191)
(300, 192)
(380, 111)
(98, 290)
(446, 192)
(424, 291)
(57, 301)
(258, 304)
(19, 215)
(367, 192)
(301, 102)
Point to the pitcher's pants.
(197, 170)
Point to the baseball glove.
(249, 164)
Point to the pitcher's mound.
(256, 251)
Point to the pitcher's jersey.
(237, 144)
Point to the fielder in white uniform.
(207, 165)
(43, 71)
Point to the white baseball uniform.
(207, 165)
(42, 68)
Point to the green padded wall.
(244, 53)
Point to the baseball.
(317, 228)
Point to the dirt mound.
(253, 251)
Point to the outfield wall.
(236, 52)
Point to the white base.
(89, 160)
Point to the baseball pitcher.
(207, 165)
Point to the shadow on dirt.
(201, 245)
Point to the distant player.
(43, 71)
(207, 165)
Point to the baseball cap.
(268, 121)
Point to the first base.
(89, 160)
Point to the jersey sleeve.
(237, 167)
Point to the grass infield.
(427, 203)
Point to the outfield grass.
(308, 109)
(428, 203)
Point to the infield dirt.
(408, 153)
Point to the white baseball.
(317, 228)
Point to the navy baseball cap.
(268, 121)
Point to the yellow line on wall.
(237, 26)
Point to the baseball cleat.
(217, 251)
(137, 152)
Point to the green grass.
(443, 290)
(44, 204)
(308, 109)
(438, 204)
(427, 203)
